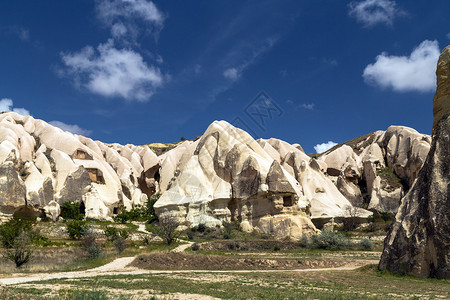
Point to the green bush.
(10, 230)
(119, 244)
(195, 247)
(20, 251)
(139, 212)
(111, 233)
(76, 229)
(365, 244)
(329, 240)
(303, 241)
(72, 210)
(201, 227)
(89, 243)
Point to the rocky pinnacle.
(419, 240)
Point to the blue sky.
(139, 71)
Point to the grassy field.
(269, 264)
(364, 283)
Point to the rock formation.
(419, 240)
(42, 166)
(265, 185)
(376, 170)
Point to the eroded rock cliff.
(42, 166)
(376, 170)
(419, 240)
(265, 185)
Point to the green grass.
(366, 283)
(390, 178)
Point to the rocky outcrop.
(267, 185)
(42, 166)
(12, 189)
(419, 240)
(376, 170)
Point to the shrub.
(90, 244)
(145, 240)
(276, 248)
(201, 227)
(329, 240)
(124, 234)
(72, 210)
(233, 245)
(10, 230)
(111, 233)
(76, 229)
(386, 216)
(365, 244)
(139, 212)
(94, 252)
(195, 247)
(190, 235)
(20, 251)
(303, 241)
(119, 244)
(227, 230)
(167, 228)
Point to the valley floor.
(350, 275)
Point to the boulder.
(52, 210)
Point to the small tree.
(76, 229)
(119, 244)
(20, 251)
(90, 244)
(351, 220)
(10, 230)
(167, 228)
(72, 210)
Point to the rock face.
(376, 170)
(419, 240)
(265, 185)
(42, 167)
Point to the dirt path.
(120, 267)
(183, 247)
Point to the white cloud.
(118, 30)
(75, 129)
(23, 34)
(309, 106)
(121, 15)
(7, 105)
(234, 73)
(320, 148)
(406, 73)
(373, 12)
(231, 73)
(113, 72)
